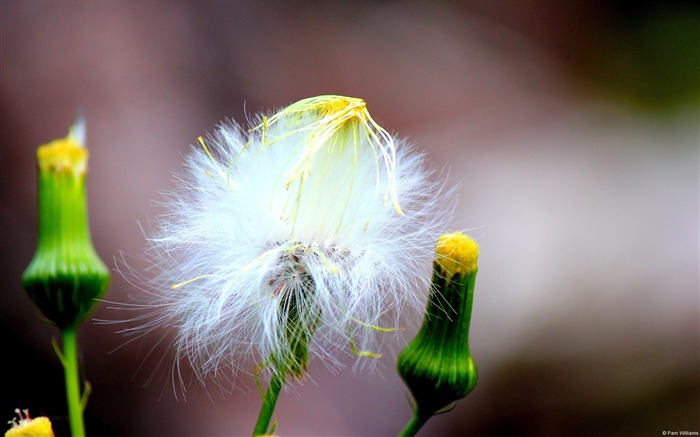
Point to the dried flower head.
(296, 238)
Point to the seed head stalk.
(262, 426)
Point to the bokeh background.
(571, 126)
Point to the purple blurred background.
(572, 126)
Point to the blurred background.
(572, 127)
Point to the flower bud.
(65, 276)
(436, 365)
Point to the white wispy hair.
(324, 209)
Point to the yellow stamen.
(173, 287)
(264, 130)
(360, 353)
(291, 248)
(206, 150)
(200, 140)
(373, 327)
(329, 265)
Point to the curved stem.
(413, 426)
(70, 368)
(269, 402)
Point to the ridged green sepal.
(437, 365)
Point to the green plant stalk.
(70, 368)
(414, 425)
(269, 403)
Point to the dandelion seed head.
(315, 223)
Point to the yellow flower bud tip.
(65, 155)
(25, 426)
(456, 253)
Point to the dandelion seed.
(293, 239)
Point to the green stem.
(414, 425)
(269, 402)
(70, 367)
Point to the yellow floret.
(37, 427)
(66, 154)
(333, 106)
(456, 253)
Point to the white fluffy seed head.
(317, 202)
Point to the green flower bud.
(436, 365)
(65, 276)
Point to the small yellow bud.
(456, 253)
(65, 155)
